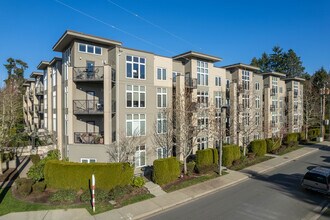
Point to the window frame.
(139, 63)
(90, 45)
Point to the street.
(273, 195)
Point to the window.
(53, 76)
(54, 99)
(295, 89)
(246, 100)
(66, 124)
(135, 96)
(203, 98)
(161, 74)
(227, 140)
(87, 160)
(203, 122)
(46, 120)
(202, 143)
(246, 120)
(217, 81)
(161, 97)
(274, 85)
(135, 125)
(65, 97)
(281, 90)
(54, 122)
(256, 136)
(258, 102)
(202, 73)
(86, 48)
(174, 75)
(218, 99)
(257, 118)
(161, 123)
(45, 101)
(257, 86)
(140, 156)
(161, 152)
(135, 67)
(246, 79)
(45, 80)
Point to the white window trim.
(162, 69)
(139, 121)
(145, 67)
(94, 49)
(161, 93)
(132, 91)
(145, 157)
(87, 159)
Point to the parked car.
(317, 179)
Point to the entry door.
(90, 100)
(90, 126)
(90, 69)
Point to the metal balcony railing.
(88, 138)
(87, 107)
(39, 90)
(83, 74)
(39, 108)
(190, 83)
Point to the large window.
(257, 86)
(217, 81)
(54, 122)
(202, 143)
(161, 73)
(203, 98)
(161, 152)
(135, 125)
(203, 122)
(246, 100)
(218, 99)
(140, 156)
(135, 96)
(54, 76)
(161, 97)
(135, 67)
(87, 48)
(246, 79)
(46, 120)
(54, 99)
(161, 123)
(202, 73)
(257, 118)
(257, 101)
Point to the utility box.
(319, 139)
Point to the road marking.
(317, 211)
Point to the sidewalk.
(169, 200)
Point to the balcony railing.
(190, 83)
(272, 124)
(83, 74)
(86, 107)
(31, 110)
(39, 108)
(272, 108)
(88, 138)
(39, 90)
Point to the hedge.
(69, 175)
(230, 154)
(166, 170)
(291, 139)
(259, 147)
(314, 133)
(206, 159)
(273, 144)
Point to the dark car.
(317, 179)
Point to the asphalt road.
(273, 195)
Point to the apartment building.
(100, 93)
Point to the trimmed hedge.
(166, 170)
(291, 139)
(206, 159)
(69, 175)
(230, 153)
(259, 147)
(273, 144)
(314, 133)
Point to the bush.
(35, 158)
(39, 187)
(100, 196)
(120, 191)
(230, 154)
(291, 139)
(66, 196)
(79, 175)
(259, 147)
(24, 186)
(206, 159)
(273, 144)
(166, 170)
(138, 181)
(191, 167)
(314, 133)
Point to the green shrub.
(100, 196)
(138, 181)
(66, 196)
(7, 156)
(120, 191)
(206, 160)
(35, 158)
(69, 175)
(230, 154)
(291, 139)
(259, 147)
(273, 144)
(166, 170)
(39, 187)
(314, 133)
(24, 186)
(191, 167)
(53, 155)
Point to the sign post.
(93, 192)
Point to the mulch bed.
(179, 181)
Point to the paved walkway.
(169, 200)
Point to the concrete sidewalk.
(169, 200)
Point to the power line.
(153, 24)
(114, 27)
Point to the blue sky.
(233, 30)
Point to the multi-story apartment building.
(99, 94)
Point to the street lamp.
(221, 137)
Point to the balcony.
(39, 109)
(31, 110)
(272, 124)
(190, 83)
(88, 138)
(39, 90)
(87, 107)
(272, 108)
(83, 74)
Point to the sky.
(236, 31)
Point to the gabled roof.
(193, 54)
(69, 36)
(242, 66)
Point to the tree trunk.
(1, 163)
(185, 166)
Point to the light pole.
(221, 137)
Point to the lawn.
(289, 149)
(248, 162)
